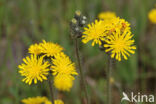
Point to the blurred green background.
(24, 22)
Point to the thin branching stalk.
(82, 79)
(51, 89)
(109, 87)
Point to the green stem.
(51, 89)
(82, 79)
(109, 87)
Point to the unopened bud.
(76, 29)
(74, 21)
(78, 13)
(83, 22)
(84, 17)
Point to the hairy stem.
(51, 89)
(109, 87)
(82, 79)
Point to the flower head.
(59, 102)
(152, 16)
(63, 65)
(47, 102)
(35, 100)
(35, 49)
(106, 15)
(50, 49)
(94, 33)
(115, 24)
(63, 82)
(33, 68)
(40, 100)
(120, 44)
(55, 101)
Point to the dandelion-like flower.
(115, 24)
(35, 49)
(106, 15)
(94, 33)
(35, 100)
(120, 44)
(34, 69)
(63, 65)
(50, 49)
(55, 101)
(40, 100)
(152, 16)
(63, 71)
(59, 102)
(63, 82)
(47, 102)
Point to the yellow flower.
(152, 16)
(98, 31)
(94, 32)
(33, 68)
(56, 102)
(120, 44)
(35, 49)
(63, 71)
(50, 49)
(63, 65)
(40, 100)
(63, 82)
(106, 15)
(35, 100)
(47, 102)
(118, 38)
(59, 102)
(114, 24)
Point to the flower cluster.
(113, 34)
(46, 58)
(152, 16)
(40, 100)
